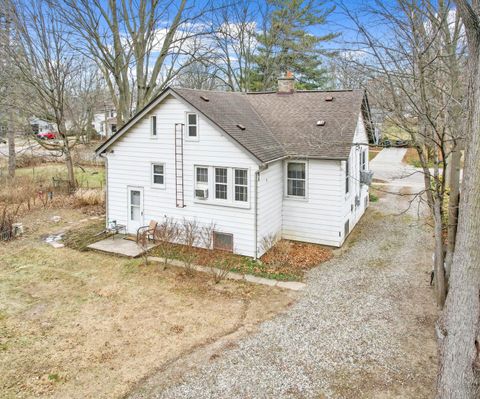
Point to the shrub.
(373, 197)
(87, 197)
(221, 267)
(190, 235)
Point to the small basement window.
(346, 228)
(158, 174)
(192, 125)
(223, 241)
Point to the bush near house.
(287, 260)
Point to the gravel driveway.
(363, 328)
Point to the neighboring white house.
(40, 126)
(290, 164)
(105, 121)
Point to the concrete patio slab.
(119, 246)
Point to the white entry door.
(135, 208)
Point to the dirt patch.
(88, 325)
(300, 258)
(297, 255)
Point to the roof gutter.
(286, 157)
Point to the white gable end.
(130, 165)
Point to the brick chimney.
(286, 83)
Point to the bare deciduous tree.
(459, 328)
(414, 70)
(139, 46)
(51, 72)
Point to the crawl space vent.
(321, 123)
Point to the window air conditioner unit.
(366, 177)
(201, 193)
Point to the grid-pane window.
(223, 241)
(153, 125)
(202, 175)
(158, 173)
(241, 185)
(296, 179)
(192, 125)
(221, 181)
(347, 176)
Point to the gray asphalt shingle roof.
(228, 110)
(272, 125)
(279, 125)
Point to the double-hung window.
(201, 182)
(158, 174)
(241, 185)
(192, 125)
(296, 179)
(221, 183)
(153, 126)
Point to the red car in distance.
(47, 135)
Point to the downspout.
(106, 187)
(255, 232)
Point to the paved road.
(388, 166)
(363, 327)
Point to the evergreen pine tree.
(285, 44)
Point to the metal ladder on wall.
(179, 183)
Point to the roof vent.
(205, 98)
(240, 126)
(329, 98)
(321, 123)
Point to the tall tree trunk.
(440, 285)
(70, 171)
(460, 342)
(12, 156)
(454, 185)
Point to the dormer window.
(192, 125)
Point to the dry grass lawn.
(87, 325)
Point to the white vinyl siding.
(318, 218)
(270, 198)
(356, 203)
(130, 164)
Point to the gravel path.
(363, 328)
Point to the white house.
(105, 120)
(289, 163)
(40, 126)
